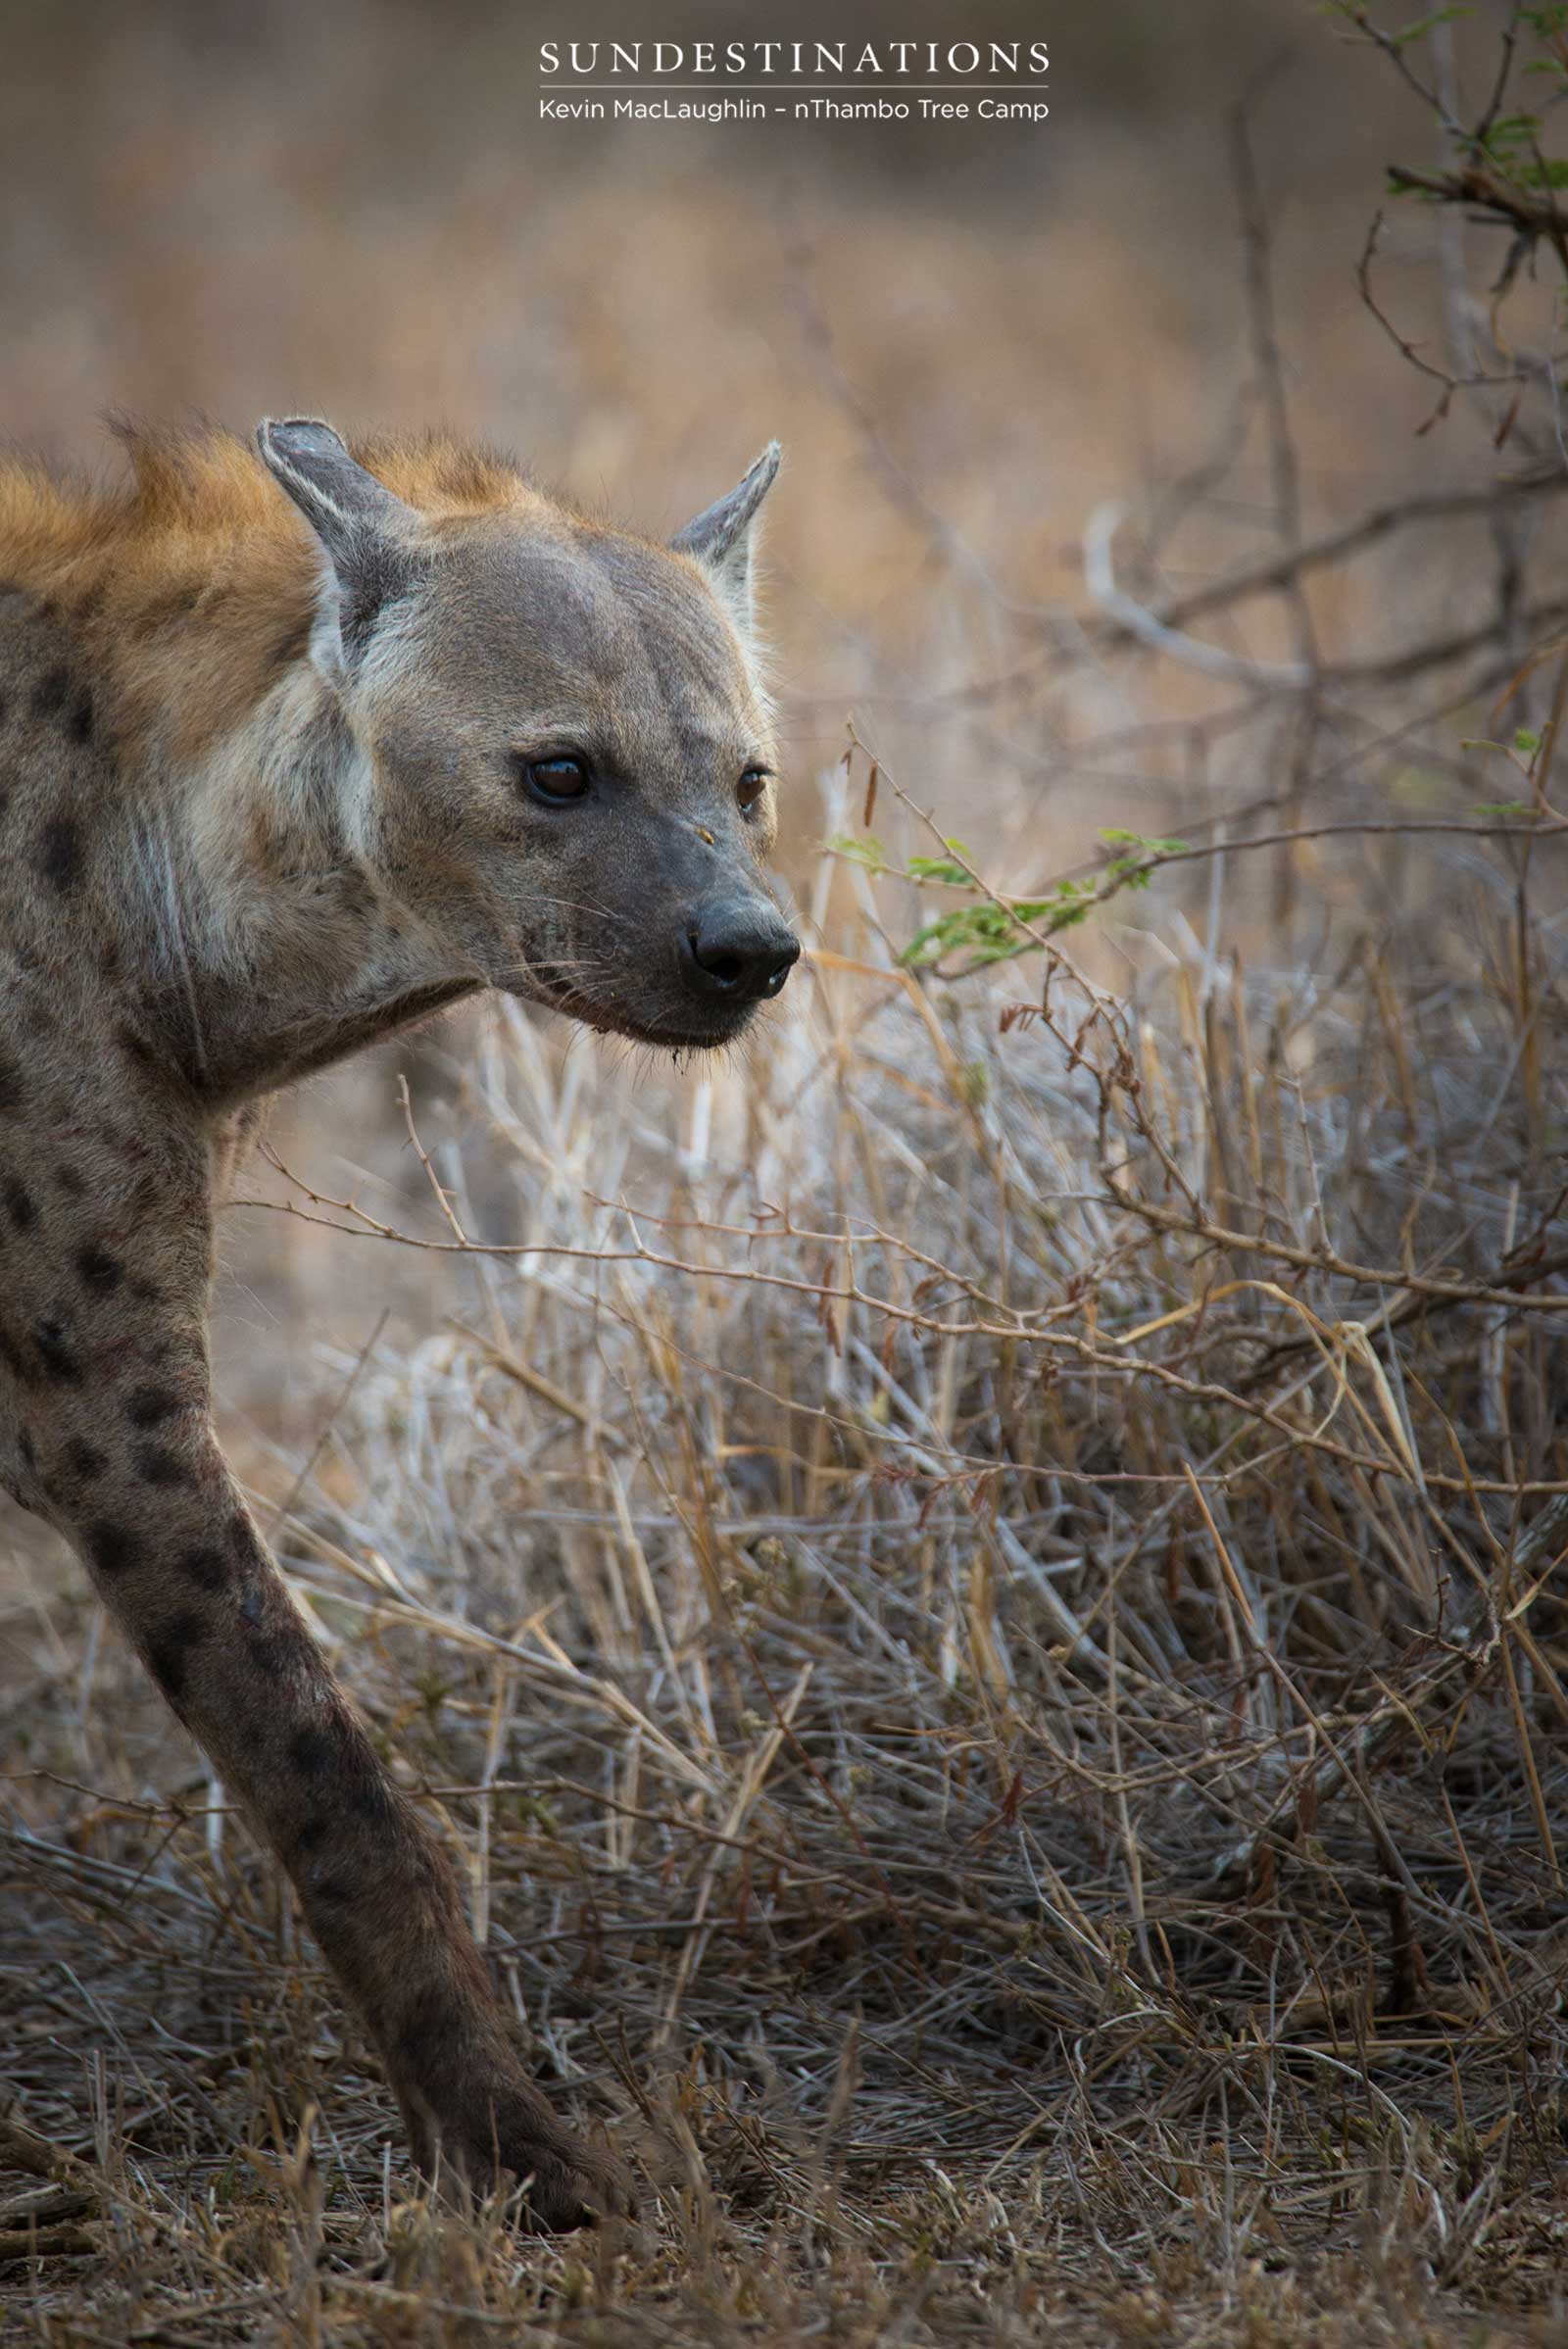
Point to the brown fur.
(263, 799)
(188, 587)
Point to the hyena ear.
(720, 538)
(365, 533)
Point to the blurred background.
(968, 339)
(240, 207)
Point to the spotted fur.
(265, 797)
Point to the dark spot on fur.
(19, 1204)
(30, 1450)
(84, 1459)
(112, 1549)
(169, 1651)
(271, 1653)
(155, 1464)
(272, 1648)
(206, 1567)
(51, 692)
(149, 1406)
(79, 723)
(59, 1362)
(243, 1540)
(71, 1181)
(333, 1891)
(99, 1270)
(13, 1091)
(312, 1753)
(60, 854)
(294, 646)
(135, 1046)
(178, 604)
(339, 1751)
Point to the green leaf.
(930, 944)
(985, 955)
(1509, 133)
(1140, 840)
(868, 851)
(1424, 25)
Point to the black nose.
(739, 951)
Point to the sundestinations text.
(793, 60)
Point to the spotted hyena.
(297, 746)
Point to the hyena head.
(566, 768)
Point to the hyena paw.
(504, 2137)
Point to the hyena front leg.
(103, 1341)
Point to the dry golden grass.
(980, 1608)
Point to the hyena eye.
(556, 780)
(749, 790)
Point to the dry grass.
(995, 1701)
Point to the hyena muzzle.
(269, 793)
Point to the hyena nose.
(740, 951)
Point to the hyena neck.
(273, 947)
